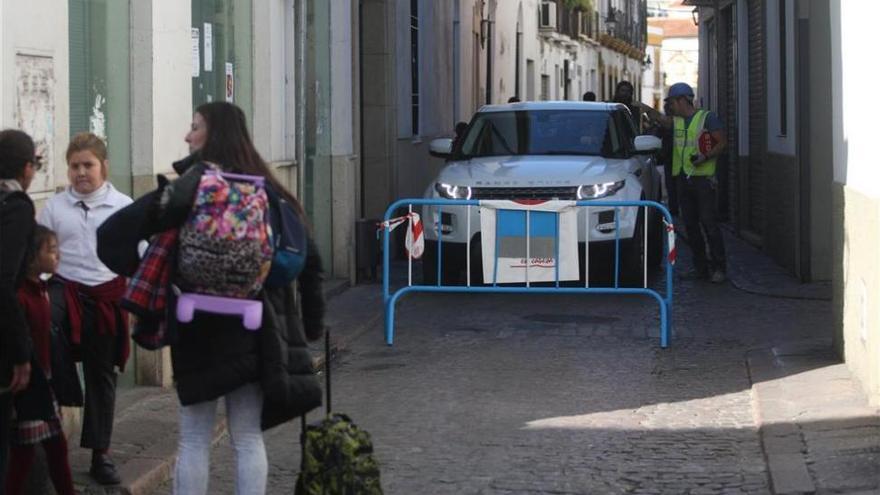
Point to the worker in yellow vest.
(699, 140)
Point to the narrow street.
(503, 395)
(527, 141)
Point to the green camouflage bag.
(338, 460)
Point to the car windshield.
(541, 132)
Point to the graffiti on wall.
(35, 110)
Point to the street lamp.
(611, 20)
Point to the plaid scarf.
(147, 291)
(147, 294)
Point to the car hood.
(539, 171)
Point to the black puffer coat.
(16, 230)
(214, 355)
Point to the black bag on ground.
(337, 455)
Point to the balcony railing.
(576, 24)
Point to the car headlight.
(449, 191)
(594, 191)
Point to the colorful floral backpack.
(225, 247)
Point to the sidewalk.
(818, 432)
(145, 432)
(752, 271)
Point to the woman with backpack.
(265, 376)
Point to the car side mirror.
(646, 145)
(440, 148)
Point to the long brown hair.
(229, 145)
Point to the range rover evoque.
(542, 151)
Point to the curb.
(782, 444)
(340, 344)
(141, 476)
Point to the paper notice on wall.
(34, 111)
(209, 47)
(230, 83)
(196, 62)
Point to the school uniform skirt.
(33, 432)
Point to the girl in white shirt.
(98, 326)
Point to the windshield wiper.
(556, 153)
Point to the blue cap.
(680, 89)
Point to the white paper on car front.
(552, 228)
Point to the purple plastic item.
(251, 311)
(256, 179)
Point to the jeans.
(243, 409)
(697, 201)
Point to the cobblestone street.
(503, 394)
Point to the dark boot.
(103, 470)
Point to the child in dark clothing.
(37, 416)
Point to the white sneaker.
(718, 277)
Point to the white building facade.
(856, 190)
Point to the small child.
(37, 416)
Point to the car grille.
(567, 192)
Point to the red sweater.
(34, 300)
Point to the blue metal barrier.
(664, 300)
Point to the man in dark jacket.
(18, 165)
(624, 93)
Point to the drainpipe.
(301, 99)
(456, 62)
(489, 58)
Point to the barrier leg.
(389, 320)
(664, 325)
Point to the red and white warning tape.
(670, 236)
(415, 238)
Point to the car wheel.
(476, 262)
(655, 239)
(450, 267)
(632, 255)
(429, 264)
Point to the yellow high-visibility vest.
(687, 144)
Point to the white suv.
(546, 150)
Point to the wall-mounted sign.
(196, 60)
(230, 83)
